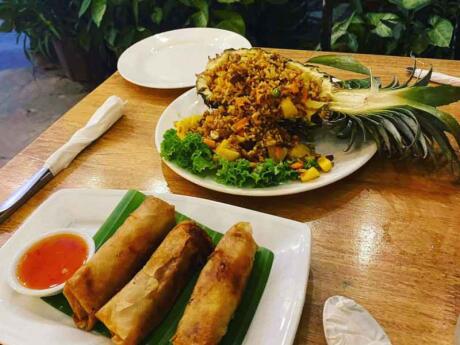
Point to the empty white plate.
(172, 59)
(345, 163)
(28, 320)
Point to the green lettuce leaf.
(195, 156)
(190, 154)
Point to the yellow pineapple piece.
(288, 108)
(313, 106)
(324, 163)
(225, 151)
(309, 175)
(299, 151)
(185, 125)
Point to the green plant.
(117, 24)
(399, 27)
(108, 27)
(42, 21)
(105, 28)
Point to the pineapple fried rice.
(252, 94)
(261, 105)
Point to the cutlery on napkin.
(436, 77)
(104, 117)
(345, 322)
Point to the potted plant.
(51, 27)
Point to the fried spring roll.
(218, 290)
(118, 260)
(141, 305)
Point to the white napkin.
(104, 117)
(437, 77)
(345, 322)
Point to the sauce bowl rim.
(12, 278)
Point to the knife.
(104, 117)
(23, 193)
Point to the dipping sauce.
(51, 261)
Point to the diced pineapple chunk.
(288, 108)
(185, 125)
(309, 175)
(312, 107)
(299, 151)
(228, 154)
(311, 103)
(225, 151)
(224, 144)
(324, 163)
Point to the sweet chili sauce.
(51, 261)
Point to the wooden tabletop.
(386, 236)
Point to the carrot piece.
(297, 165)
(240, 124)
(211, 143)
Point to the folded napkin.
(98, 124)
(436, 77)
(347, 323)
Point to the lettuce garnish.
(193, 155)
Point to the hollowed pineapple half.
(403, 119)
(267, 81)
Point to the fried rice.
(252, 92)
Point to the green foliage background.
(397, 27)
(105, 28)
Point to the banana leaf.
(244, 314)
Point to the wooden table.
(386, 236)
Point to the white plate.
(345, 163)
(172, 59)
(26, 320)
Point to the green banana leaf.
(244, 314)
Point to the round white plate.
(172, 59)
(345, 163)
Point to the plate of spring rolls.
(168, 269)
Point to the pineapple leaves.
(365, 83)
(344, 62)
(412, 130)
(448, 121)
(355, 83)
(443, 142)
(434, 96)
(402, 118)
(425, 80)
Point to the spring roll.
(118, 260)
(141, 305)
(218, 290)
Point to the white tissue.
(347, 323)
(104, 117)
(437, 77)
